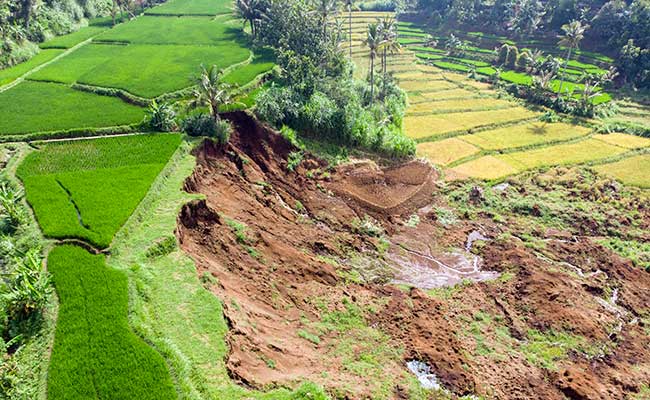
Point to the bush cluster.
(341, 114)
(202, 124)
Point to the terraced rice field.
(463, 125)
(87, 189)
(527, 134)
(193, 7)
(632, 171)
(425, 127)
(446, 151)
(148, 57)
(9, 75)
(96, 354)
(28, 107)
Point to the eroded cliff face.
(341, 275)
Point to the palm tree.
(374, 42)
(388, 30)
(211, 91)
(325, 9)
(250, 11)
(574, 32)
(348, 5)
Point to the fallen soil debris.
(358, 277)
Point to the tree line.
(24, 23)
(619, 28)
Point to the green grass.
(467, 61)
(479, 50)
(546, 349)
(188, 326)
(489, 71)
(174, 30)
(193, 7)
(426, 56)
(427, 50)
(43, 107)
(452, 66)
(262, 62)
(518, 78)
(72, 39)
(407, 41)
(95, 353)
(411, 33)
(75, 65)
(143, 70)
(10, 74)
(88, 189)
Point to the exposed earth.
(341, 275)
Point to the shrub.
(27, 290)
(161, 117)
(200, 125)
(222, 131)
(378, 5)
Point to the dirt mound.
(303, 263)
(390, 191)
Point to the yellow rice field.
(419, 127)
(572, 153)
(441, 95)
(632, 171)
(486, 167)
(521, 135)
(458, 105)
(446, 151)
(411, 75)
(426, 86)
(624, 140)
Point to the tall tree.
(374, 43)
(211, 91)
(27, 8)
(574, 32)
(325, 10)
(250, 11)
(388, 32)
(348, 5)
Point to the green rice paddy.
(193, 7)
(10, 74)
(73, 39)
(144, 70)
(95, 353)
(175, 30)
(87, 189)
(44, 107)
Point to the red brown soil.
(271, 280)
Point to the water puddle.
(427, 379)
(473, 237)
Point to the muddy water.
(427, 269)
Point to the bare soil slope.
(322, 271)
